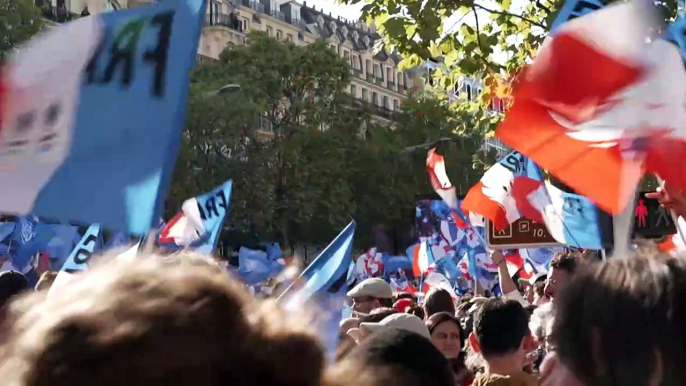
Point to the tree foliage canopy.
(321, 158)
(19, 21)
(490, 39)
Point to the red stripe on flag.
(477, 202)
(522, 187)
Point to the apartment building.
(376, 79)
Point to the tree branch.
(508, 14)
(538, 2)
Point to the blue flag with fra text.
(97, 143)
(79, 257)
(213, 207)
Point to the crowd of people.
(184, 320)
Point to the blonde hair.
(156, 321)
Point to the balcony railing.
(256, 5)
(278, 15)
(295, 21)
(224, 21)
(58, 14)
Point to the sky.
(349, 12)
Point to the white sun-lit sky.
(354, 11)
(349, 12)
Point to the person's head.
(540, 324)
(376, 316)
(12, 283)
(562, 268)
(501, 330)
(46, 280)
(446, 334)
(147, 322)
(416, 310)
(393, 357)
(400, 321)
(624, 321)
(402, 304)
(403, 295)
(540, 297)
(370, 294)
(438, 300)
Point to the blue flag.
(253, 265)
(6, 230)
(676, 33)
(29, 238)
(213, 207)
(326, 282)
(576, 8)
(79, 257)
(97, 143)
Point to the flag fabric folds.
(91, 135)
(492, 196)
(603, 93)
(79, 258)
(200, 221)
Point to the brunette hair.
(457, 364)
(566, 261)
(624, 320)
(415, 310)
(438, 300)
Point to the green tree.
(480, 38)
(19, 21)
(300, 184)
(289, 183)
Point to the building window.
(301, 36)
(469, 93)
(396, 106)
(401, 79)
(364, 95)
(279, 34)
(356, 62)
(375, 98)
(369, 66)
(353, 90)
(289, 37)
(346, 55)
(216, 12)
(377, 71)
(270, 31)
(295, 16)
(385, 102)
(389, 75)
(244, 25)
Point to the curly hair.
(156, 321)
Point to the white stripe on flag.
(43, 80)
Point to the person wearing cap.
(400, 321)
(370, 294)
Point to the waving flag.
(492, 196)
(29, 238)
(326, 281)
(571, 219)
(575, 8)
(253, 265)
(435, 164)
(200, 221)
(597, 94)
(91, 134)
(80, 256)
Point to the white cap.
(400, 321)
(375, 287)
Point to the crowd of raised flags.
(91, 136)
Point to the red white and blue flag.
(600, 89)
(89, 129)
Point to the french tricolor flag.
(91, 114)
(600, 89)
(492, 196)
(185, 228)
